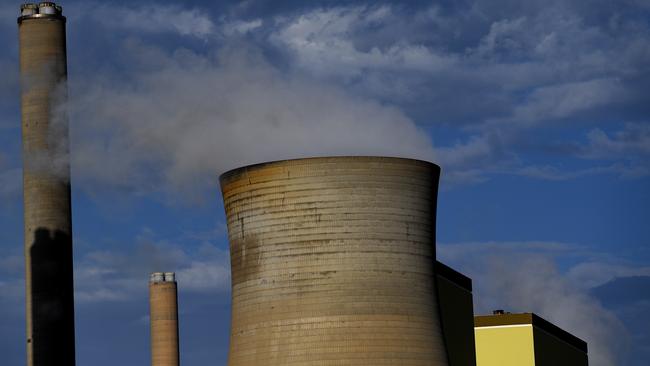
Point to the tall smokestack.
(46, 187)
(163, 311)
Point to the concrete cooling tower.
(333, 262)
(46, 184)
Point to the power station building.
(333, 263)
(333, 259)
(46, 186)
(504, 339)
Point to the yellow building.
(523, 340)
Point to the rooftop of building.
(454, 276)
(500, 318)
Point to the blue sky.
(537, 111)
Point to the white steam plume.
(525, 278)
(185, 118)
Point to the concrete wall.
(333, 262)
(457, 315)
(163, 313)
(46, 179)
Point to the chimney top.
(158, 277)
(41, 10)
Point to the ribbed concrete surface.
(332, 262)
(163, 312)
(48, 242)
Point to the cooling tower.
(333, 262)
(46, 181)
(163, 313)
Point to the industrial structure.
(333, 259)
(505, 339)
(456, 314)
(46, 184)
(333, 262)
(163, 314)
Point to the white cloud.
(565, 100)
(238, 27)
(548, 172)
(533, 284)
(150, 18)
(592, 274)
(516, 71)
(478, 150)
(473, 160)
(514, 66)
(632, 141)
(122, 275)
(206, 276)
(504, 37)
(457, 251)
(377, 49)
(552, 173)
(322, 42)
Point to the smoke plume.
(523, 277)
(178, 120)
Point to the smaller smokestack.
(163, 308)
